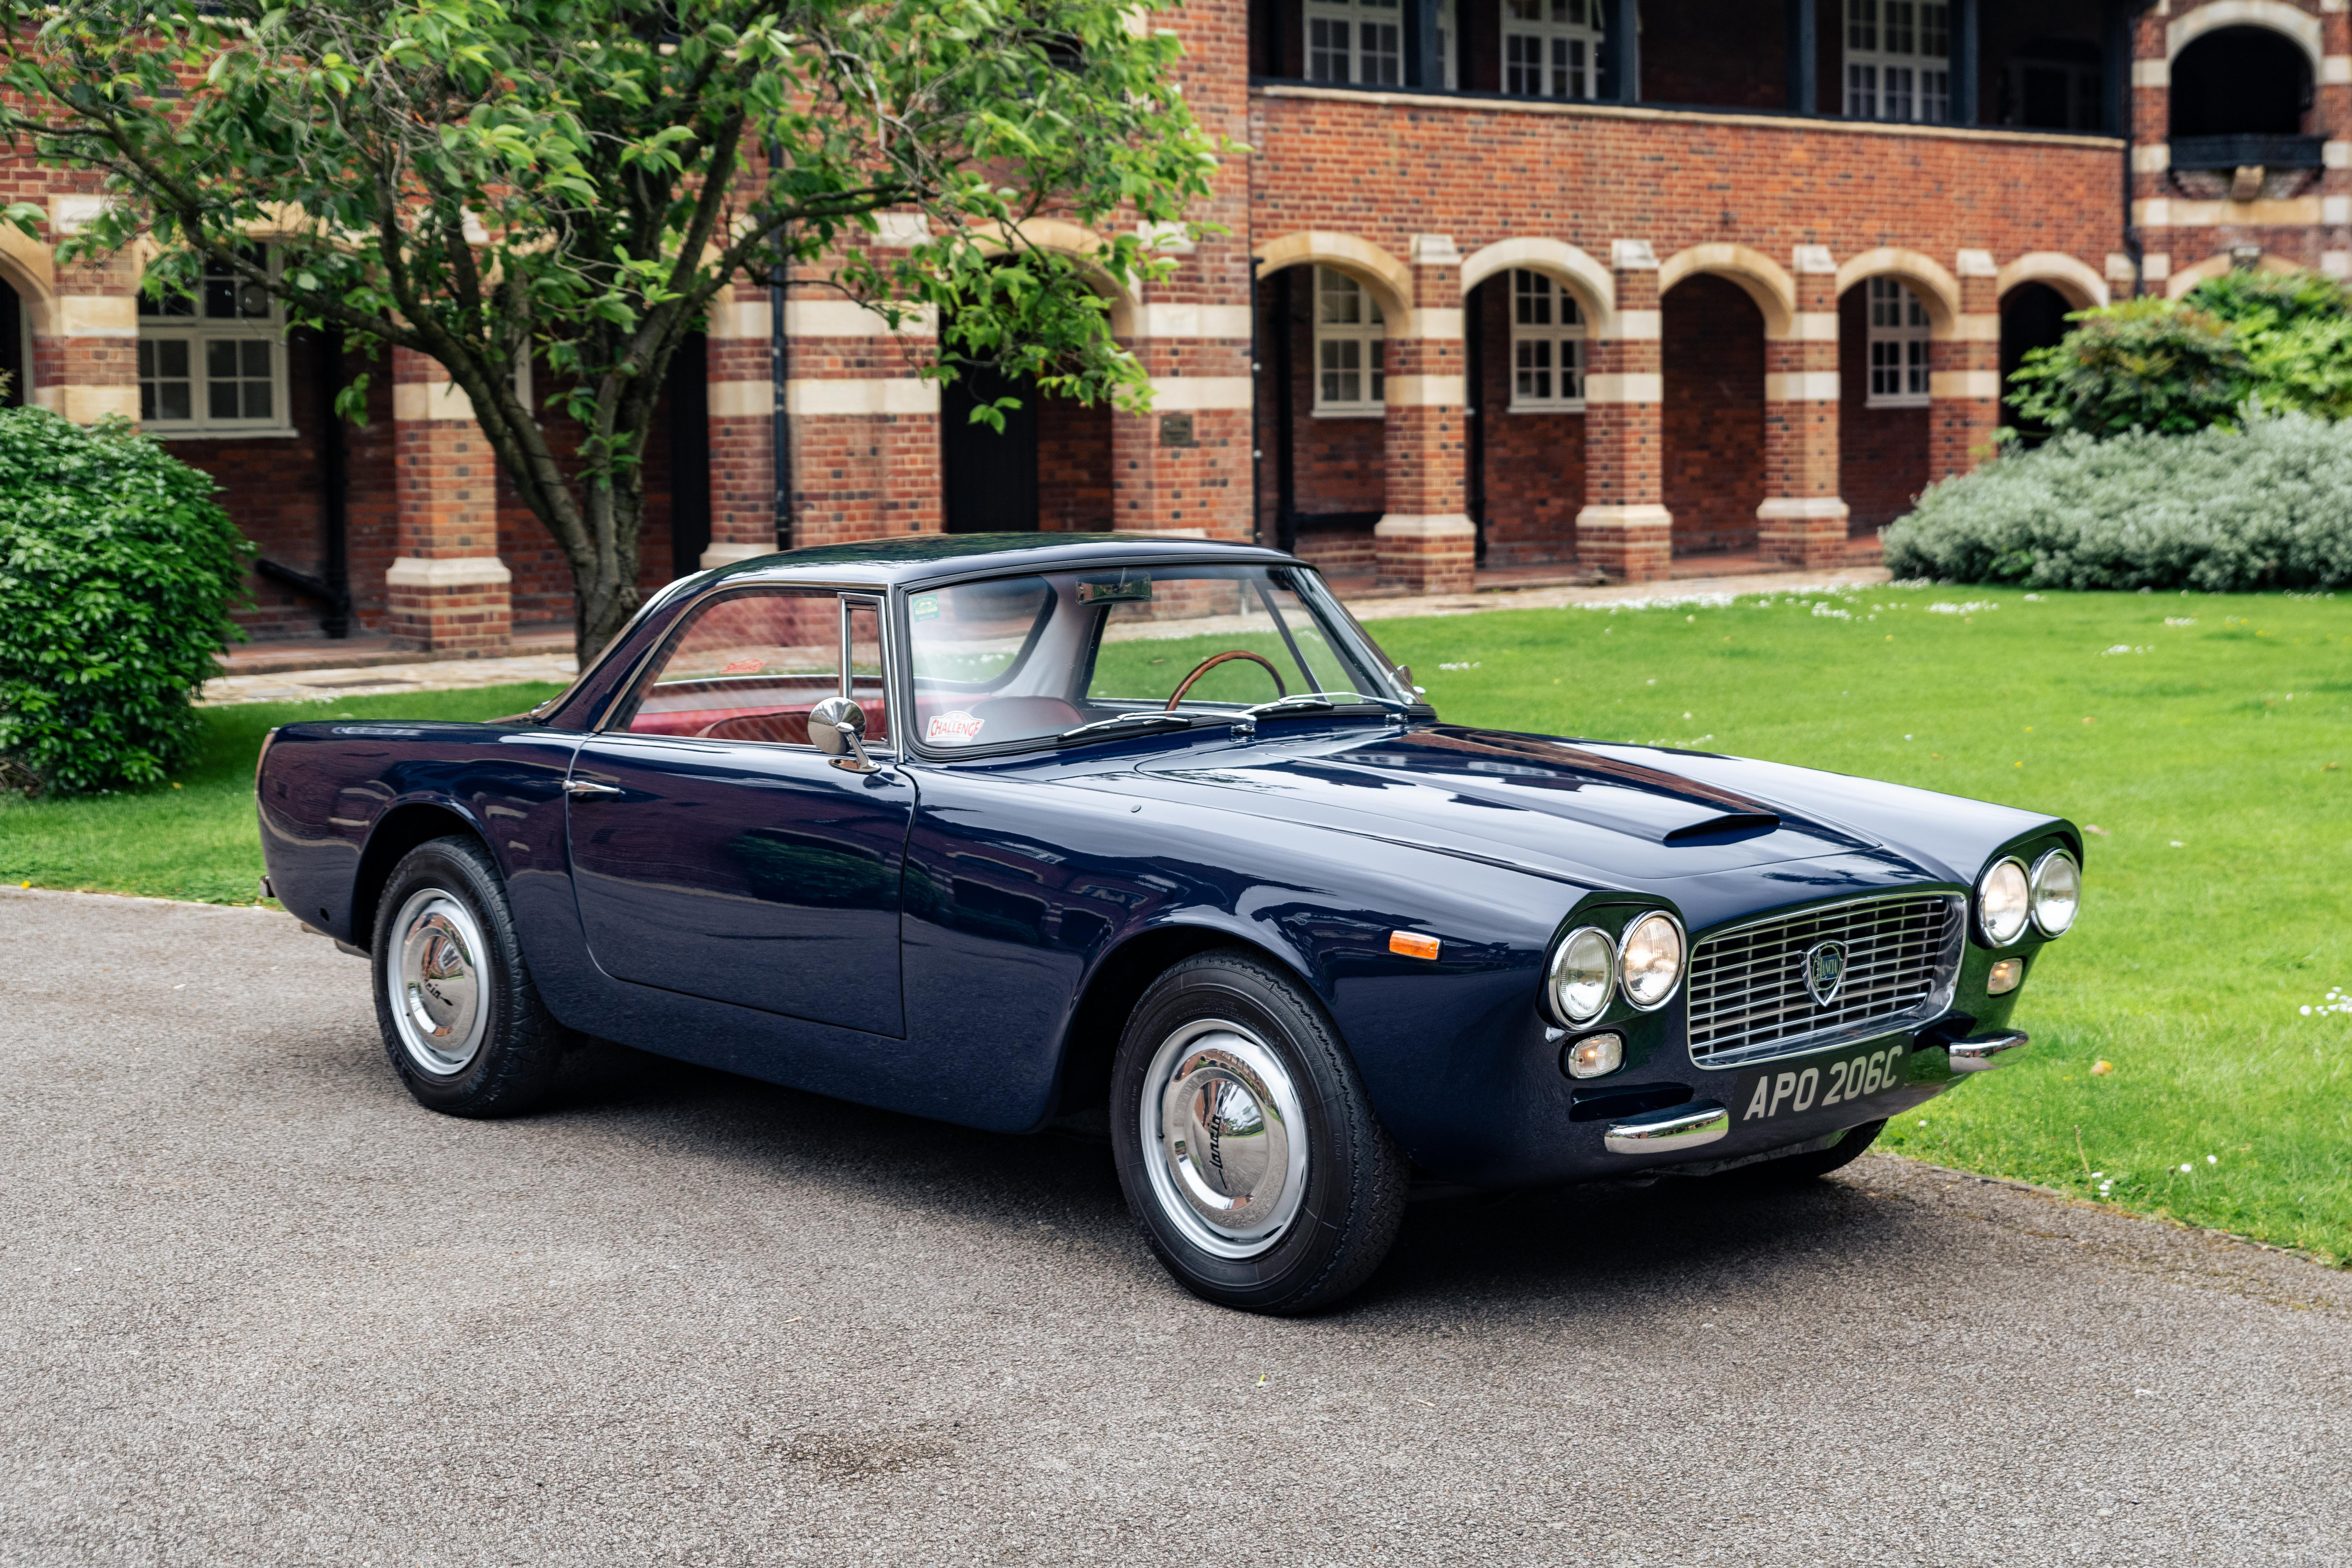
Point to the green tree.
(476, 180)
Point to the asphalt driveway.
(256, 1306)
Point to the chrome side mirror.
(838, 728)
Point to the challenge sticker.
(956, 728)
(743, 666)
(924, 608)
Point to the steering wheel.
(1216, 659)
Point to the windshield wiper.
(1135, 722)
(1322, 702)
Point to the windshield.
(1025, 658)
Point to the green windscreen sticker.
(924, 607)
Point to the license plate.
(1819, 1086)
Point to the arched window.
(1350, 376)
(1897, 60)
(1898, 346)
(1546, 346)
(1552, 49)
(2238, 82)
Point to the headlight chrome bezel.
(1682, 959)
(2025, 907)
(1553, 1004)
(2033, 893)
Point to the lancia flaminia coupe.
(1008, 830)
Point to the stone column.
(84, 361)
(2335, 105)
(1964, 373)
(865, 425)
(740, 392)
(2148, 114)
(1183, 467)
(1425, 541)
(447, 590)
(1624, 528)
(1802, 521)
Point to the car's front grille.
(1749, 1000)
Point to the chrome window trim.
(1977, 903)
(1944, 985)
(2034, 879)
(864, 591)
(1681, 974)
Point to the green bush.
(2280, 341)
(2269, 506)
(117, 572)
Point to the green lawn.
(2211, 737)
(198, 840)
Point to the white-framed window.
(1898, 346)
(1355, 42)
(1898, 60)
(1351, 374)
(1444, 76)
(1552, 49)
(214, 363)
(1547, 347)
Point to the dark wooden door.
(990, 477)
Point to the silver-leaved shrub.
(2266, 505)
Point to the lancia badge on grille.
(1824, 971)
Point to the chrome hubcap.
(1224, 1139)
(437, 982)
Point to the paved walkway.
(262, 1308)
(440, 675)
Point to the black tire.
(1796, 1168)
(1350, 1196)
(497, 1056)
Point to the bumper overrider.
(1680, 1129)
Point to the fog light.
(1595, 1055)
(2006, 976)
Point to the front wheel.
(1246, 1146)
(462, 1022)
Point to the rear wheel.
(1820, 1162)
(461, 1020)
(1246, 1146)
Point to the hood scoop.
(1730, 828)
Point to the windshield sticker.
(1125, 591)
(924, 607)
(955, 728)
(743, 666)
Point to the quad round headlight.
(1583, 970)
(1650, 964)
(2057, 893)
(2003, 902)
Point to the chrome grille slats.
(1748, 1000)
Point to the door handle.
(577, 787)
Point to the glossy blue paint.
(931, 938)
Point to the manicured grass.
(2210, 736)
(199, 840)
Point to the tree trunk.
(605, 593)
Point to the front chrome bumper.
(1986, 1051)
(1669, 1132)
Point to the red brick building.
(1600, 282)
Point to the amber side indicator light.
(2006, 976)
(1412, 944)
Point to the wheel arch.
(1119, 980)
(397, 832)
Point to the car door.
(716, 852)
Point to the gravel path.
(262, 1308)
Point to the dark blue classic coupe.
(1007, 830)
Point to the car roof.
(927, 557)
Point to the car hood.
(1605, 815)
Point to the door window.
(748, 667)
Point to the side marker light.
(1412, 944)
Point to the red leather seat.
(777, 729)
